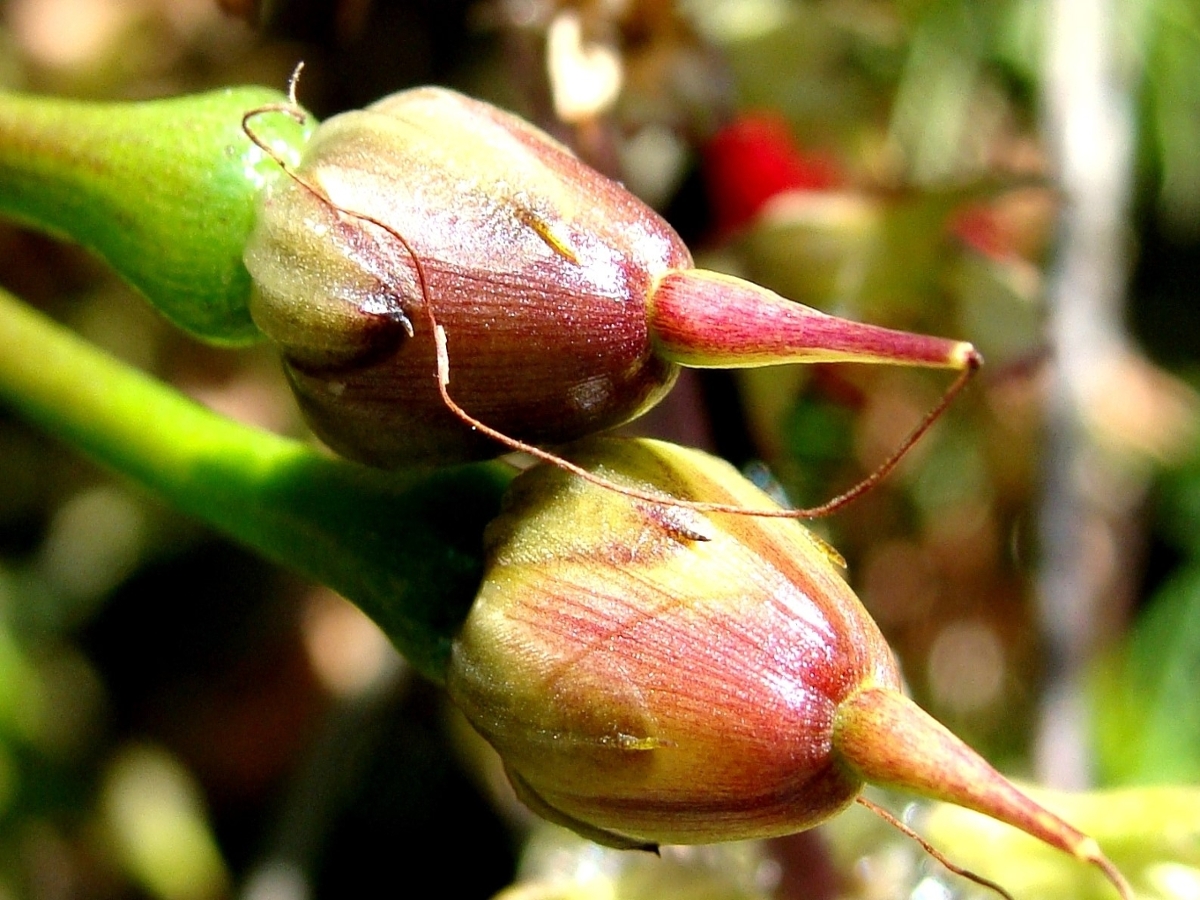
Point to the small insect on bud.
(652, 674)
(564, 303)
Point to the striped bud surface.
(536, 265)
(650, 674)
(567, 304)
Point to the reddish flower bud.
(536, 266)
(653, 675)
(567, 304)
(658, 675)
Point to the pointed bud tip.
(965, 356)
(711, 320)
(888, 740)
(1089, 851)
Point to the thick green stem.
(405, 547)
(164, 190)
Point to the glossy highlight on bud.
(568, 305)
(652, 674)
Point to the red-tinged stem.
(709, 320)
(888, 740)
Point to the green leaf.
(1147, 718)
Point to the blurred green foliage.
(1148, 720)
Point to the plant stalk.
(404, 546)
(164, 190)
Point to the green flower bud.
(567, 304)
(651, 674)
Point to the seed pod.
(568, 304)
(536, 265)
(655, 674)
(650, 674)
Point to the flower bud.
(651, 674)
(567, 304)
(536, 266)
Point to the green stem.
(405, 547)
(164, 190)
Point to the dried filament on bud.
(430, 222)
(654, 675)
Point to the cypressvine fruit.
(652, 674)
(566, 303)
